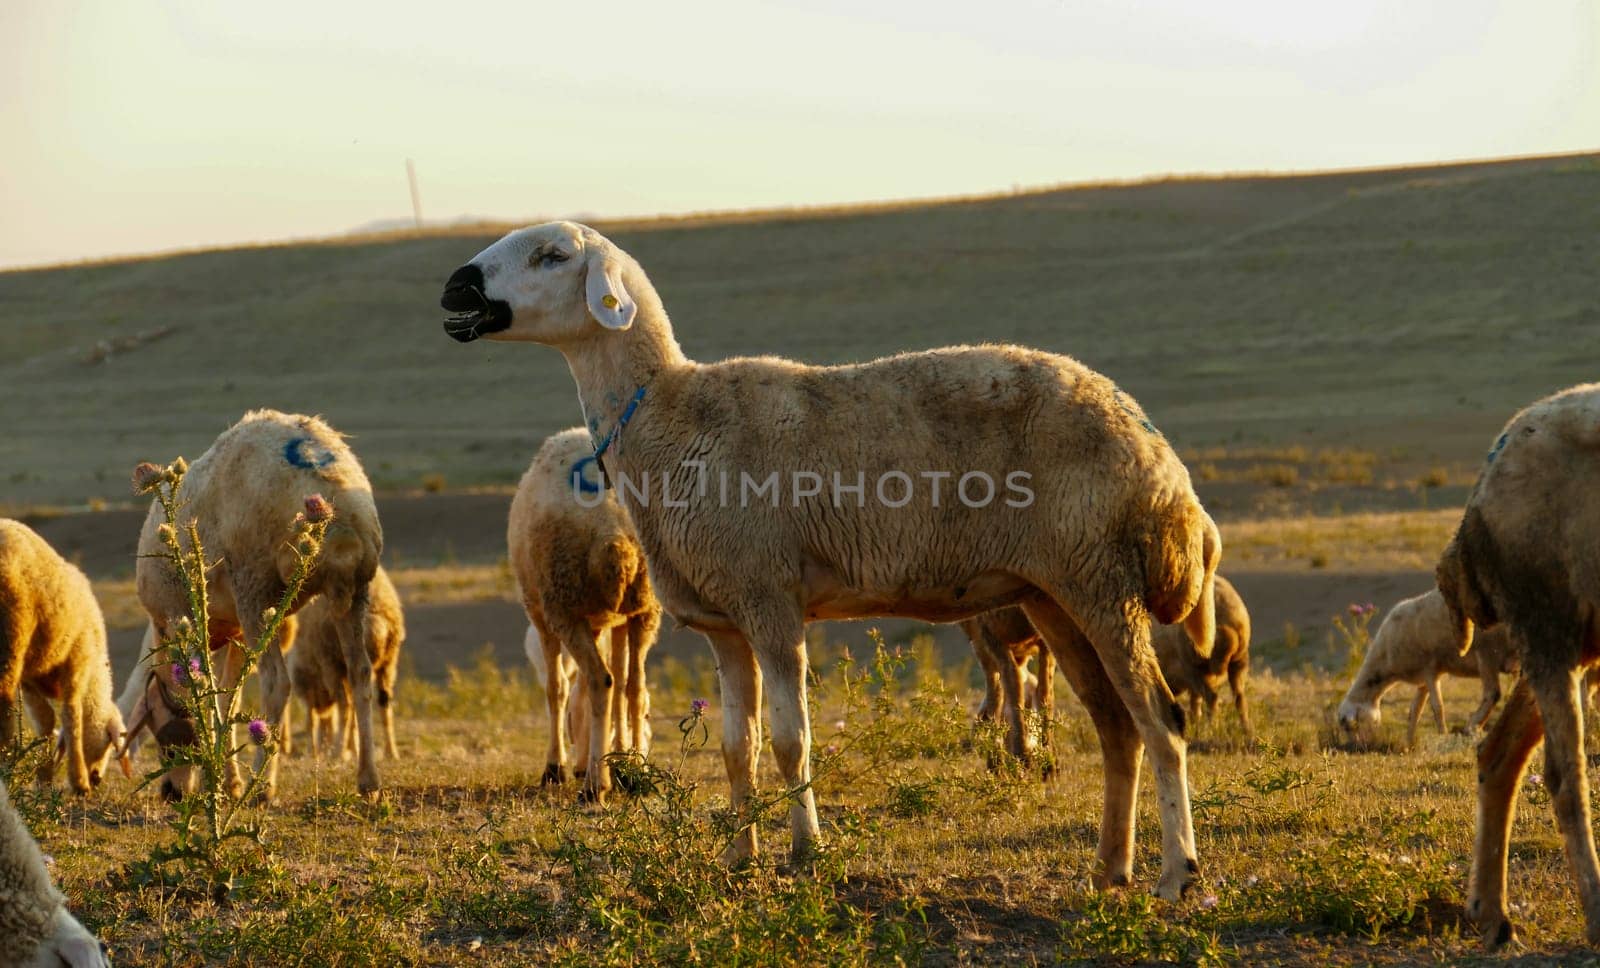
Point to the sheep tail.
(1465, 600)
(1181, 556)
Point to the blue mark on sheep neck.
(581, 483)
(1499, 445)
(1144, 421)
(301, 452)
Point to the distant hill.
(1406, 311)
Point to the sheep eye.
(549, 257)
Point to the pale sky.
(137, 127)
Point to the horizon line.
(820, 210)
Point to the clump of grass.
(26, 768)
(1434, 477)
(433, 483)
(1276, 475)
(1128, 929)
(1353, 630)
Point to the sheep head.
(546, 283)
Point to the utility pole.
(416, 196)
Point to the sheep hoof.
(592, 795)
(554, 775)
(170, 792)
(1176, 883)
(1498, 931)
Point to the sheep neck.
(609, 367)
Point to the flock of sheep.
(1107, 568)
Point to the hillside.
(1402, 312)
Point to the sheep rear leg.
(383, 680)
(1560, 699)
(1238, 674)
(780, 649)
(1044, 693)
(990, 665)
(740, 679)
(1011, 706)
(580, 639)
(642, 632)
(617, 660)
(1502, 758)
(352, 631)
(1416, 715)
(556, 696)
(1436, 703)
(1120, 746)
(1121, 637)
(71, 739)
(44, 720)
(1489, 675)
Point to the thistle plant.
(208, 822)
(1355, 633)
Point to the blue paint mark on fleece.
(1130, 412)
(1494, 451)
(299, 454)
(580, 482)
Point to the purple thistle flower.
(259, 733)
(180, 673)
(145, 477)
(1354, 609)
(699, 707)
(196, 671)
(318, 509)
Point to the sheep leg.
(1121, 637)
(578, 723)
(618, 661)
(1044, 693)
(232, 672)
(347, 733)
(991, 665)
(598, 685)
(1436, 703)
(556, 694)
(1502, 757)
(352, 630)
(71, 740)
(44, 717)
(740, 679)
(286, 741)
(385, 685)
(1489, 674)
(314, 738)
(781, 653)
(642, 631)
(1565, 772)
(1416, 715)
(1238, 672)
(1011, 688)
(1120, 745)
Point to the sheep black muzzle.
(475, 313)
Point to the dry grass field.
(1331, 355)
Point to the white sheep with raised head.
(320, 677)
(53, 648)
(1417, 645)
(36, 929)
(244, 494)
(590, 607)
(996, 475)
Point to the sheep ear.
(609, 301)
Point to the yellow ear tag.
(609, 301)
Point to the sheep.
(36, 929)
(53, 647)
(319, 676)
(1199, 675)
(1098, 519)
(588, 597)
(244, 493)
(1417, 645)
(1004, 640)
(1525, 555)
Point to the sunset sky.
(132, 128)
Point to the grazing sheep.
(53, 647)
(320, 677)
(588, 598)
(36, 929)
(244, 493)
(1525, 555)
(1004, 640)
(1188, 670)
(1417, 644)
(1097, 518)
